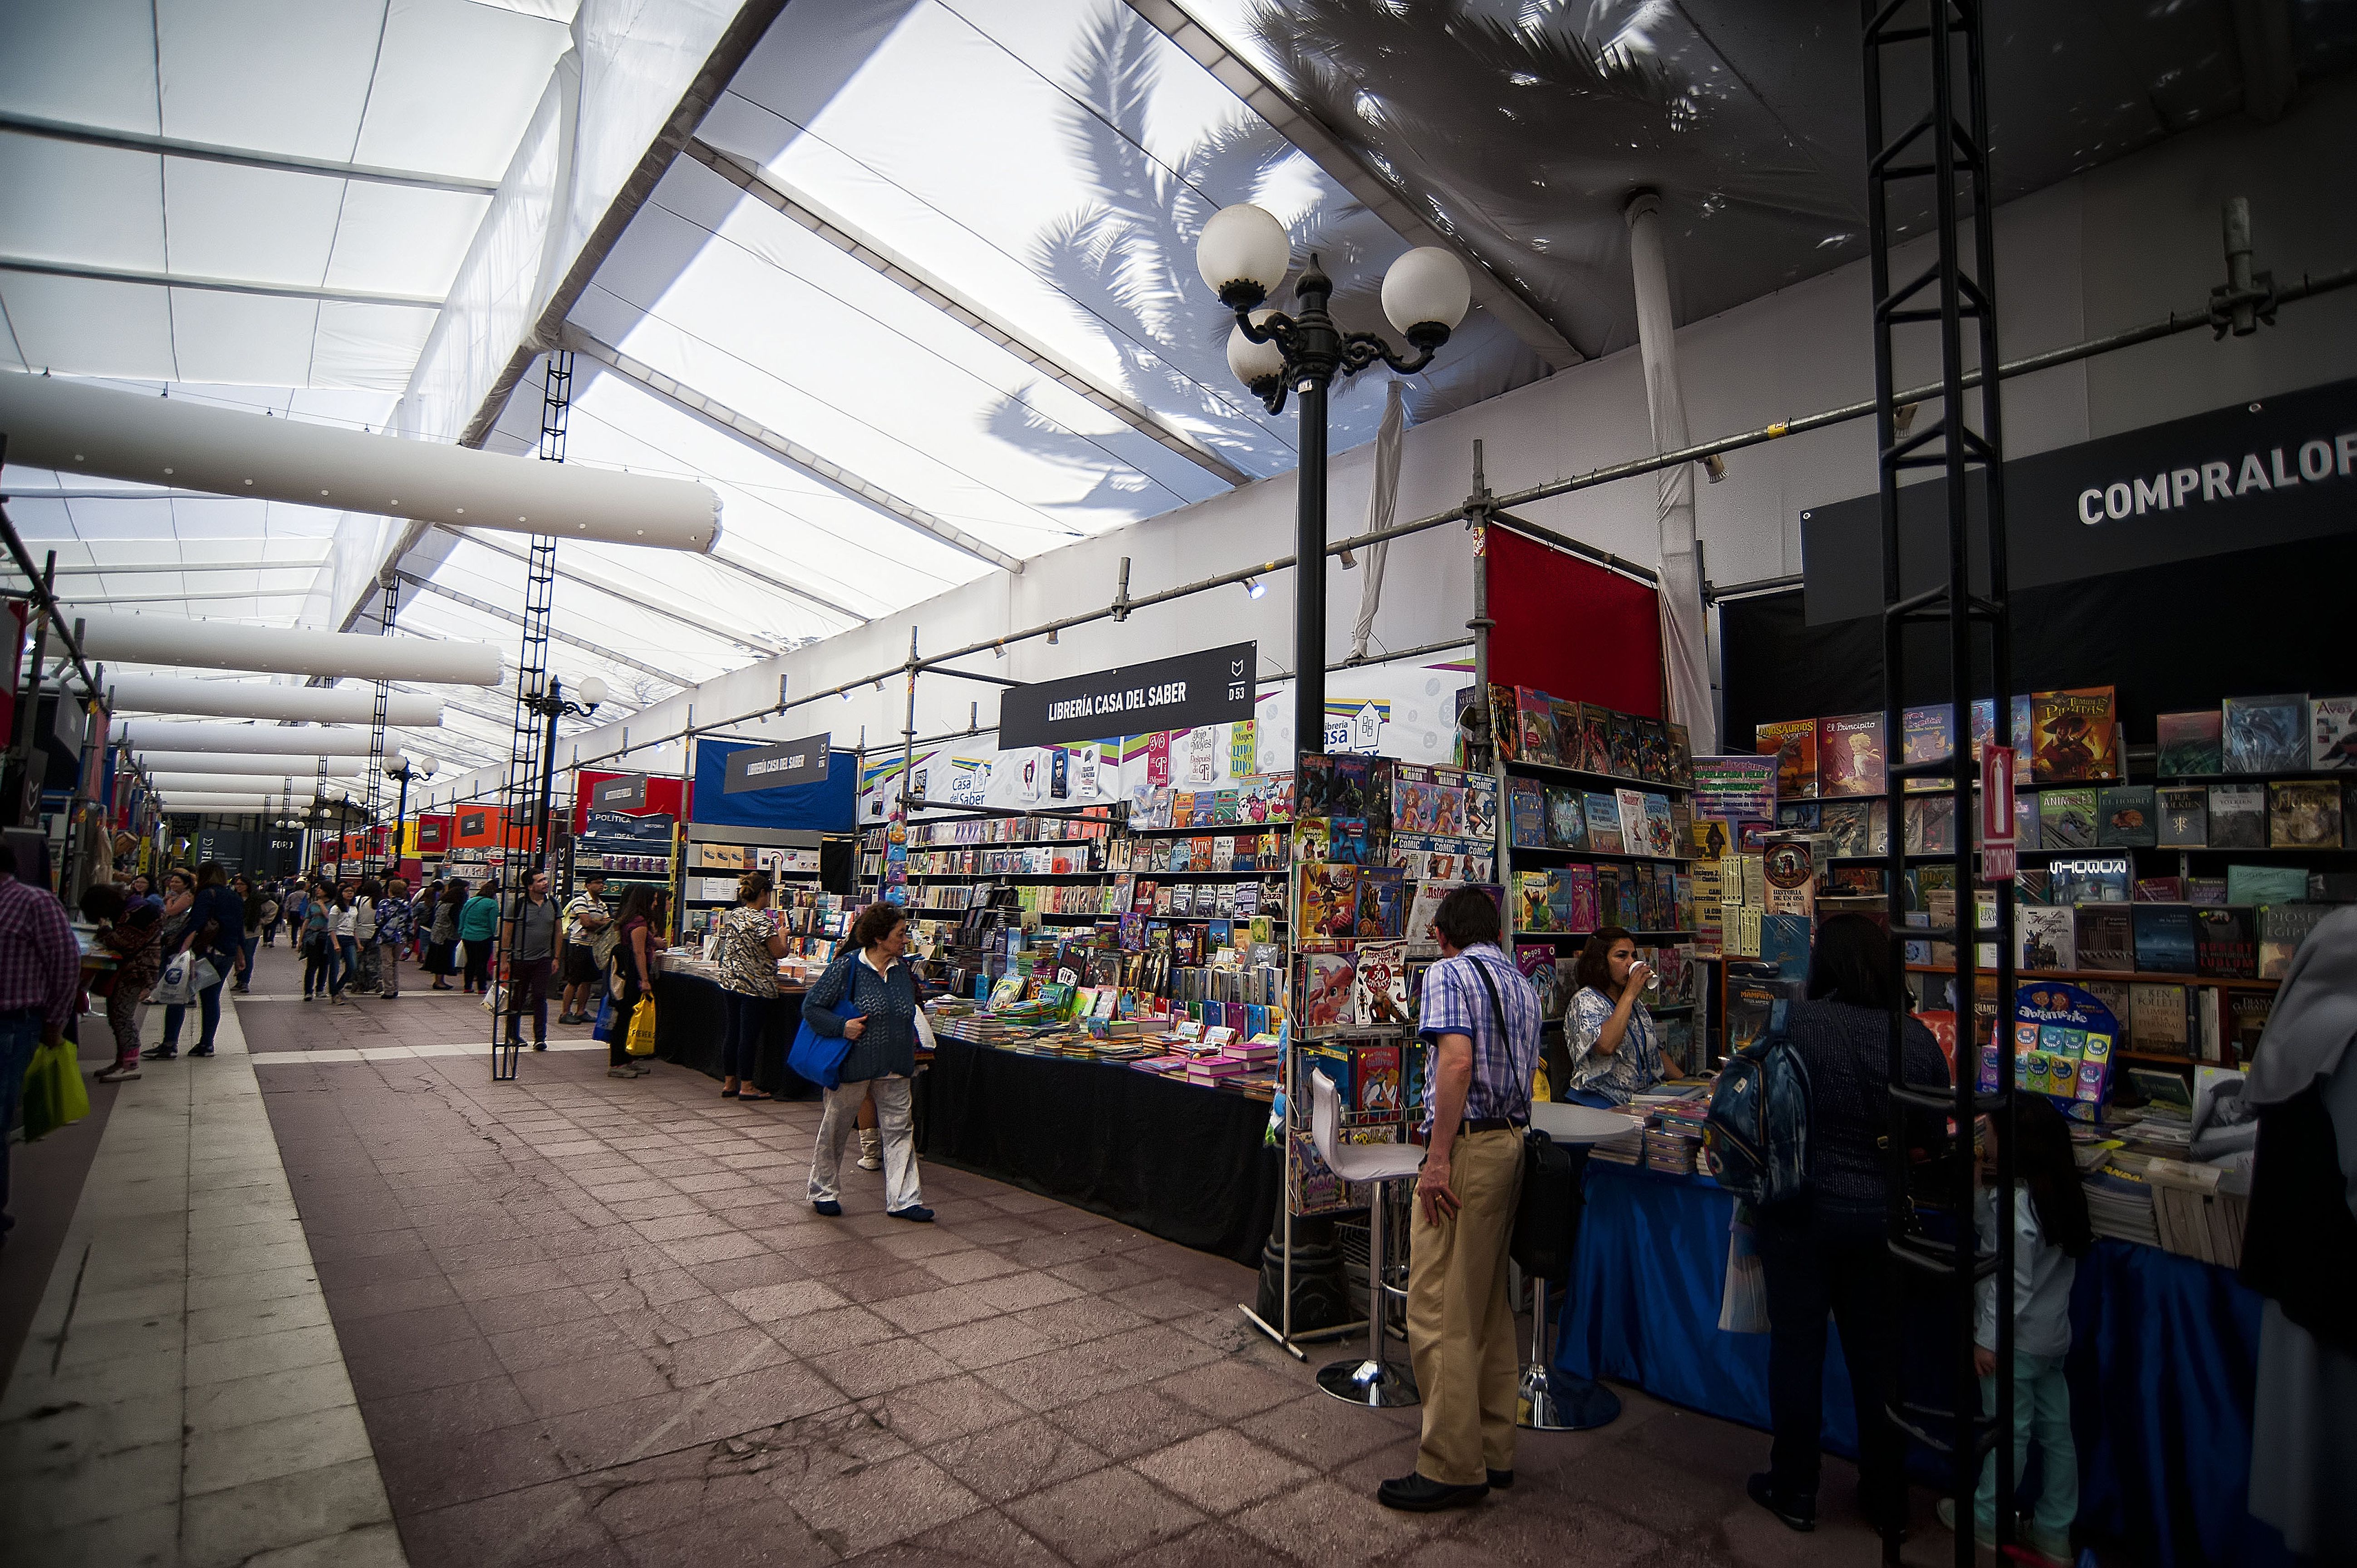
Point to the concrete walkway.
(182, 1396)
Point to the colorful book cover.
(2073, 735)
(1480, 805)
(1681, 756)
(1527, 802)
(1378, 995)
(2066, 819)
(1595, 738)
(1850, 755)
(2183, 813)
(1505, 723)
(1581, 880)
(2266, 734)
(1347, 840)
(1411, 800)
(2046, 935)
(1630, 806)
(2303, 815)
(1652, 750)
(2282, 928)
(1567, 818)
(1535, 714)
(1533, 910)
(2238, 816)
(2125, 817)
(1329, 900)
(1565, 718)
(1661, 830)
(2190, 743)
(1620, 739)
(1931, 825)
(1382, 903)
(2088, 879)
(1927, 735)
(1800, 816)
(1328, 987)
(1794, 743)
(1845, 822)
(1604, 823)
(1628, 909)
(2332, 734)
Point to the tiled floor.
(591, 1321)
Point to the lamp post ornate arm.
(551, 704)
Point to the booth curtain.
(1536, 592)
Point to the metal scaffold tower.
(376, 727)
(519, 820)
(1927, 137)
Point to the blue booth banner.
(822, 804)
(2163, 1366)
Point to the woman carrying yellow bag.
(642, 1029)
(638, 955)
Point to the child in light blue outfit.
(2050, 1233)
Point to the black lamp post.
(1244, 254)
(403, 769)
(552, 705)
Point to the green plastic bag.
(55, 1095)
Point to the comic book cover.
(2266, 734)
(1595, 738)
(1380, 984)
(1535, 712)
(1850, 755)
(1480, 803)
(1567, 818)
(1661, 830)
(1383, 902)
(1620, 738)
(1313, 789)
(1376, 1069)
(1505, 723)
(1628, 908)
(1330, 901)
(1411, 800)
(1559, 900)
(1681, 756)
(1635, 837)
(1527, 801)
(2073, 735)
(1310, 842)
(1582, 882)
(1346, 840)
(1564, 717)
(1536, 960)
(2191, 743)
(1652, 750)
(1794, 743)
(1533, 910)
(1348, 791)
(1329, 986)
(1928, 734)
(1603, 824)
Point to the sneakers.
(620, 1072)
(164, 1053)
(200, 1051)
(117, 1072)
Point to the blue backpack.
(1756, 1137)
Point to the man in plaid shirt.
(1481, 1020)
(40, 986)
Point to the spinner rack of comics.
(1377, 844)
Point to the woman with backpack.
(1826, 1250)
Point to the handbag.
(819, 1057)
(641, 1042)
(1546, 1210)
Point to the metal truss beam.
(215, 285)
(243, 158)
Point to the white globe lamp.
(1425, 296)
(1243, 253)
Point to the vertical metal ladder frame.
(392, 608)
(1937, 47)
(518, 800)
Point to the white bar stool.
(1561, 1403)
(1373, 1381)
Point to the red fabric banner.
(1571, 629)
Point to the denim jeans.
(253, 943)
(343, 966)
(209, 1013)
(20, 1035)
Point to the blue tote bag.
(819, 1057)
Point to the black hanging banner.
(627, 793)
(2235, 479)
(1184, 692)
(800, 761)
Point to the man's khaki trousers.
(1460, 1329)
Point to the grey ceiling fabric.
(1524, 127)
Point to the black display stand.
(692, 1028)
(1187, 1163)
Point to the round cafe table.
(1557, 1402)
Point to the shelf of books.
(2170, 879)
(1599, 833)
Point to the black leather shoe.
(1796, 1512)
(1419, 1493)
(1501, 1480)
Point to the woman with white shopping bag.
(214, 933)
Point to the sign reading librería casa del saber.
(1183, 692)
(800, 761)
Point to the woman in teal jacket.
(478, 927)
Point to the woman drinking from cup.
(1615, 1046)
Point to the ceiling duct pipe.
(293, 765)
(253, 740)
(243, 804)
(169, 696)
(172, 784)
(334, 655)
(78, 429)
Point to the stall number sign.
(800, 761)
(1187, 692)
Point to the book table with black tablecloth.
(2163, 1368)
(692, 1029)
(1188, 1164)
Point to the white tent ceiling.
(917, 298)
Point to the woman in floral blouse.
(1616, 1046)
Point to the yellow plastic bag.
(55, 1095)
(641, 1042)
